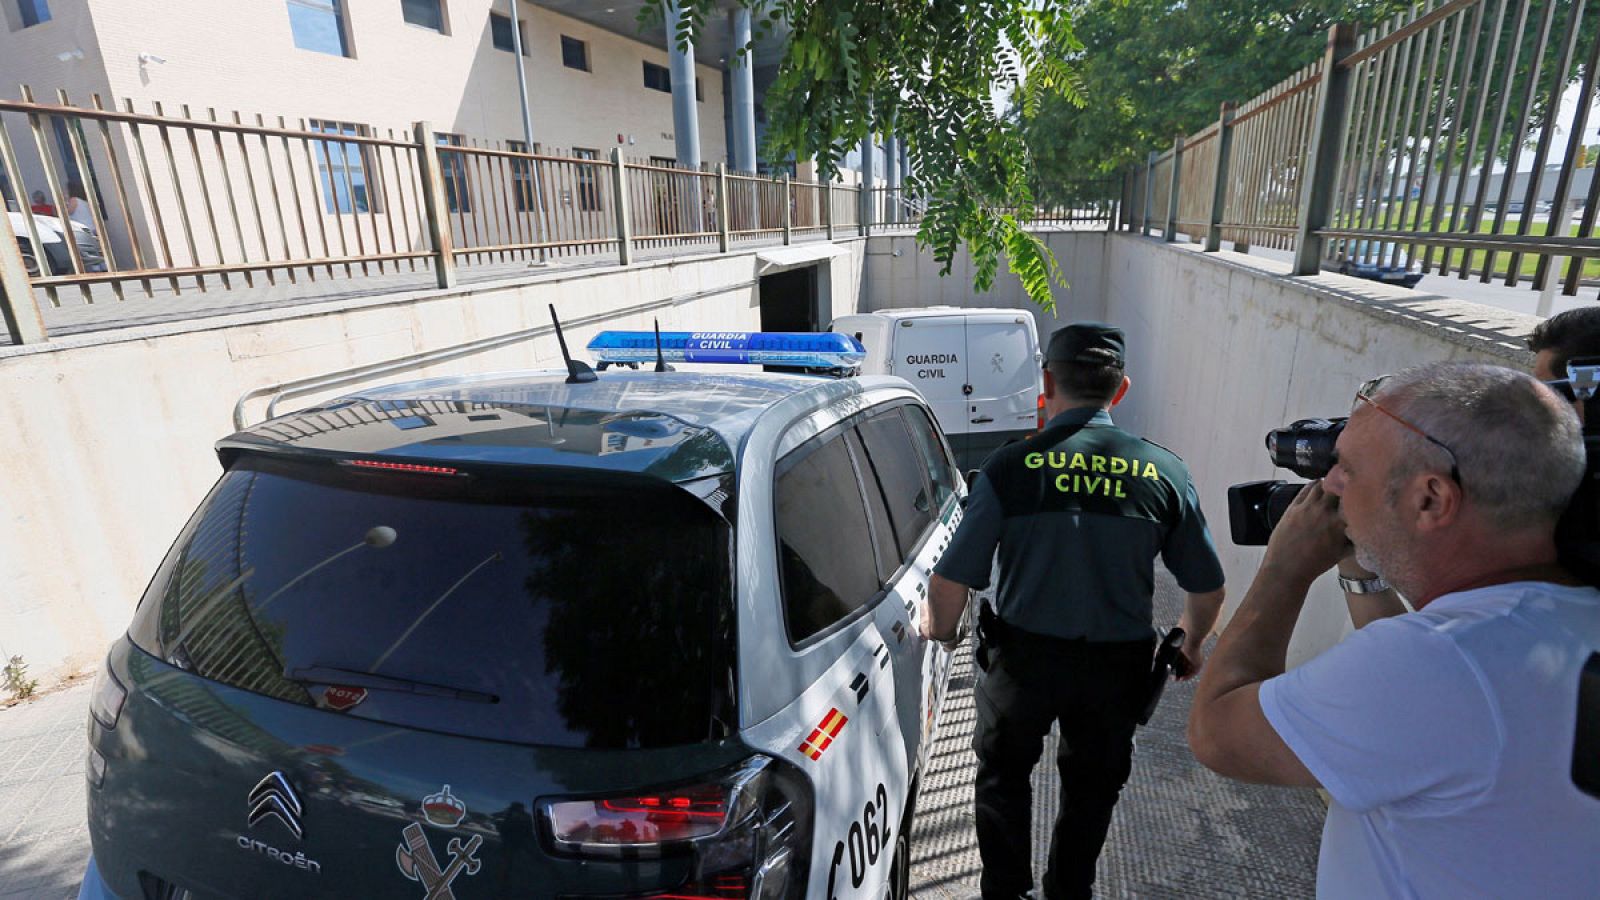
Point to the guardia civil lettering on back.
(1077, 516)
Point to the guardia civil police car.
(526, 635)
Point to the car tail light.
(718, 887)
(413, 468)
(748, 830)
(664, 818)
(1041, 412)
(105, 701)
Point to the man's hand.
(1193, 657)
(1310, 538)
(1200, 613)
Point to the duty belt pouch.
(988, 634)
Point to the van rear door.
(1003, 369)
(931, 353)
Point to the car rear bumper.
(93, 886)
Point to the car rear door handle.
(983, 420)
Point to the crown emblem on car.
(443, 809)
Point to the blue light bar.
(811, 350)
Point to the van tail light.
(747, 829)
(107, 697)
(1041, 412)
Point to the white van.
(977, 368)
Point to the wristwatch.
(1373, 585)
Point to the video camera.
(1306, 447)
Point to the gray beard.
(1389, 569)
(1369, 561)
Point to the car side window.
(884, 546)
(902, 477)
(825, 562)
(931, 450)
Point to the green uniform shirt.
(1079, 515)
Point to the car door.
(841, 731)
(948, 488)
(904, 501)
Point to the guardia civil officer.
(1079, 512)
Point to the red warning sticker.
(339, 698)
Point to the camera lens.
(1305, 447)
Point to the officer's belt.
(1008, 635)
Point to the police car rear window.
(565, 612)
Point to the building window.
(453, 171)
(522, 176)
(349, 182)
(588, 181)
(33, 12)
(500, 33)
(424, 13)
(699, 90)
(574, 53)
(657, 78)
(319, 25)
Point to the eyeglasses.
(1365, 394)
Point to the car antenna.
(577, 372)
(661, 361)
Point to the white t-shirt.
(80, 214)
(1445, 738)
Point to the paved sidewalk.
(1179, 830)
(43, 840)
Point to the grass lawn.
(1418, 218)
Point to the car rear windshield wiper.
(333, 675)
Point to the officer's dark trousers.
(1093, 690)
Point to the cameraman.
(1555, 341)
(1442, 735)
(1558, 339)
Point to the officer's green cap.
(1073, 343)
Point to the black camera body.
(1306, 447)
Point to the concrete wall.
(107, 446)
(1222, 348)
(898, 275)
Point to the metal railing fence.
(127, 204)
(168, 200)
(1270, 138)
(171, 201)
(1448, 139)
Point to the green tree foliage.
(1095, 85)
(1152, 69)
(924, 71)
